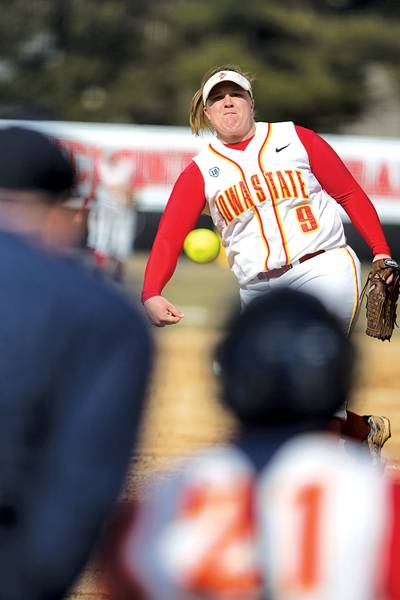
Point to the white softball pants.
(334, 277)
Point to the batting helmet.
(285, 359)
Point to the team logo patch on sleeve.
(214, 171)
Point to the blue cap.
(32, 161)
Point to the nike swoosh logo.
(283, 147)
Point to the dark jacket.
(74, 362)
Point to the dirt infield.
(182, 411)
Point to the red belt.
(266, 275)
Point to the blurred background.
(331, 65)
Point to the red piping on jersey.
(254, 208)
(275, 208)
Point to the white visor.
(226, 76)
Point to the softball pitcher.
(273, 191)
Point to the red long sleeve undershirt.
(187, 201)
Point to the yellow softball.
(201, 245)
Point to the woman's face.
(230, 110)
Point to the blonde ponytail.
(197, 119)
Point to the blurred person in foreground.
(74, 362)
(273, 191)
(285, 510)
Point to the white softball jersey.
(316, 524)
(268, 207)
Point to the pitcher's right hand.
(161, 312)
